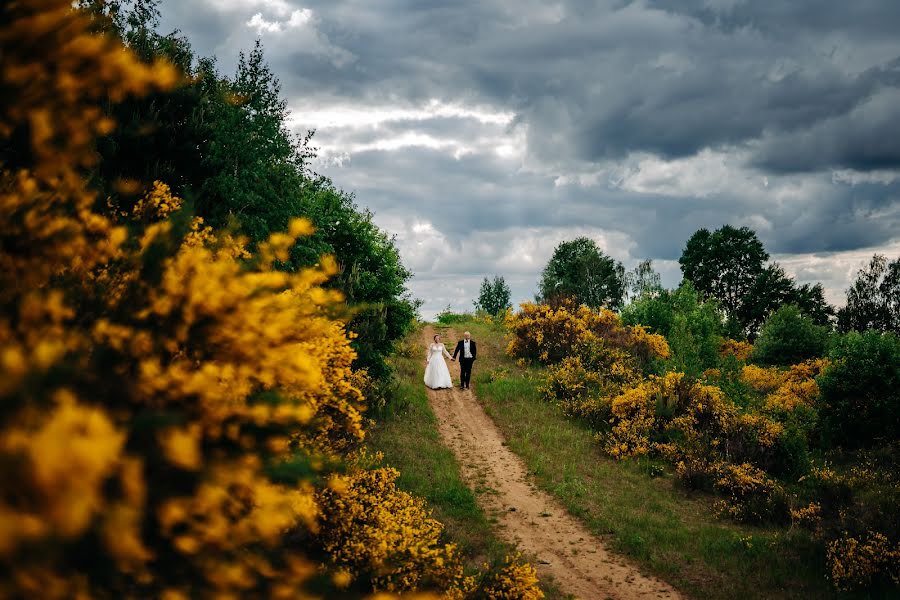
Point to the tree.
(729, 265)
(724, 264)
(225, 144)
(873, 301)
(789, 337)
(860, 392)
(494, 296)
(692, 327)
(579, 270)
(643, 280)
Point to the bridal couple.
(437, 375)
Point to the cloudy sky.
(484, 133)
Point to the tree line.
(223, 143)
(729, 268)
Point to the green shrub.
(788, 337)
(448, 317)
(860, 393)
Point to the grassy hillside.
(635, 505)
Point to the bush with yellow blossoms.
(855, 562)
(510, 580)
(750, 495)
(175, 410)
(369, 527)
(739, 350)
(548, 334)
(741, 431)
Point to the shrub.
(860, 393)
(368, 526)
(853, 562)
(691, 327)
(510, 580)
(448, 317)
(739, 350)
(171, 406)
(788, 337)
(751, 496)
(548, 334)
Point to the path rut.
(528, 517)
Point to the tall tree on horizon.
(579, 270)
(730, 265)
(494, 296)
(873, 301)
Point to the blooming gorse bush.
(741, 431)
(174, 410)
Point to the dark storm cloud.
(613, 80)
(635, 123)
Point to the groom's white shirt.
(466, 352)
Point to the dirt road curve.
(563, 548)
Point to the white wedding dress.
(437, 375)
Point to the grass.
(406, 434)
(408, 437)
(667, 531)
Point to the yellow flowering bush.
(583, 383)
(750, 495)
(511, 580)
(785, 391)
(633, 418)
(761, 379)
(853, 562)
(739, 350)
(172, 408)
(548, 334)
(367, 525)
(809, 516)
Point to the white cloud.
(302, 27)
(836, 271)
(345, 130)
(298, 18)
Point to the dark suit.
(465, 364)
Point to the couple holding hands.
(437, 375)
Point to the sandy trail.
(528, 517)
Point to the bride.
(437, 375)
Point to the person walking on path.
(437, 375)
(468, 351)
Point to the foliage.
(873, 301)
(854, 563)
(448, 317)
(548, 334)
(643, 280)
(739, 350)
(751, 495)
(370, 527)
(729, 265)
(860, 402)
(579, 271)
(225, 143)
(175, 407)
(788, 337)
(510, 580)
(748, 433)
(692, 327)
(372, 276)
(149, 383)
(494, 296)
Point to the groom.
(466, 348)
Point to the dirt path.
(528, 517)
